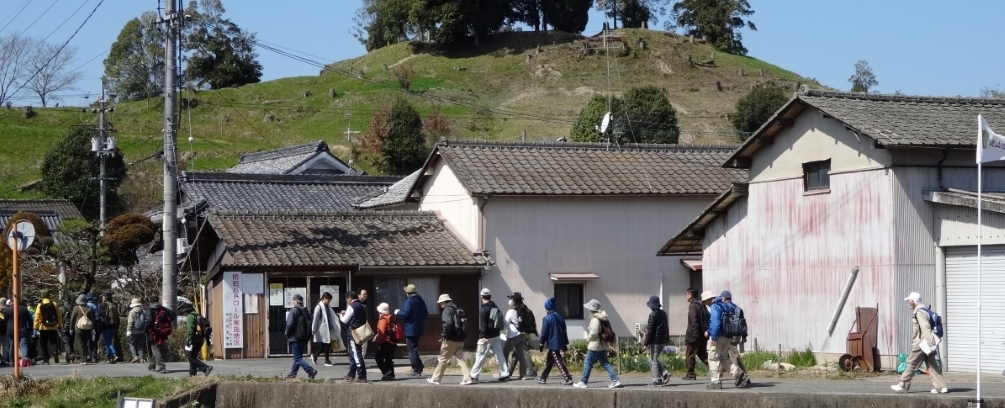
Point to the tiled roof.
(53, 212)
(395, 194)
(690, 239)
(282, 160)
(589, 168)
(229, 192)
(341, 240)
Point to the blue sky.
(920, 47)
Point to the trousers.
(451, 349)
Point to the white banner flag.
(990, 145)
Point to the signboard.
(294, 291)
(253, 283)
(250, 303)
(233, 316)
(130, 402)
(276, 294)
(333, 289)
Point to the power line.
(23, 6)
(40, 16)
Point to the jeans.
(108, 335)
(656, 367)
(194, 363)
(555, 359)
(66, 340)
(297, 347)
(385, 359)
(412, 346)
(594, 356)
(451, 349)
(48, 344)
(494, 344)
(357, 366)
(515, 348)
(84, 345)
(23, 347)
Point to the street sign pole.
(17, 311)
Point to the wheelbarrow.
(861, 343)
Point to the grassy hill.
(513, 82)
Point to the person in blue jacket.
(554, 336)
(723, 353)
(414, 313)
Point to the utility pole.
(173, 19)
(104, 147)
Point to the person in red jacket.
(157, 334)
(385, 343)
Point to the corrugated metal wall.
(913, 232)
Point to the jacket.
(155, 335)
(24, 317)
(324, 329)
(109, 311)
(697, 322)
(414, 313)
(922, 328)
(554, 333)
(383, 329)
(447, 316)
(78, 312)
(291, 322)
(191, 337)
(719, 308)
(38, 316)
(658, 329)
(131, 320)
(355, 316)
(593, 332)
(484, 331)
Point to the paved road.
(993, 385)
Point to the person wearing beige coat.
(325, 328)
(922, 332)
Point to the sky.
(920, 47)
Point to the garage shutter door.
(961, 308)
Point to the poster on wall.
(294, 291)
(250, 303)
(276, 294)
(333, 289)
(233, 328)
(253, 283)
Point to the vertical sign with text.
(233, 327)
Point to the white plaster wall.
(445, 194)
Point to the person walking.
(696, 334)
(108, 313)
(657, 336)
(384, 342)
(723, 353)
(491, 322)
(452, 337)
(48, 320)
(66, 337)
(4, 339)
(83, 324)
(298, 333)
(96, 331)
(514, 349)
(354, 317)
(923, 333)
(554, 336)
(325, 328)
(363, 297)
(527, 326)
(414, 313)
(195, 335)
(599, 337)
(136, 328)
(157, 335)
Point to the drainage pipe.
(844, 298)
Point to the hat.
(486, 292)
(654, 302)
(706, 295)
(516, 296)
(135, 302)
(298, 297)
(185, 308)
(107, 294)
(383, 308)
(82, 300)
(444, 298)
(593, 305)
(726, 295)
(410, 288)
(44, 293)
(549, 304)
(915, 296)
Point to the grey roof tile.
(341, 240)
(396, 193)
(228, 192)
(53, 212)
(281, 160)
(589, 168)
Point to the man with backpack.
(727, 328)
(48, 320)
(108, 321)
(83, 324)
(599, 336)
(157, 334)
(455, 330)
(298, 333)
(136, 329)
(554, 336)
(491, 323)
(414, 313)
(924, 345)
(527, 326)
(197, 329)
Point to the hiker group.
(49, 330)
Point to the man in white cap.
(491, 322)
(922, 333)
(451, 340)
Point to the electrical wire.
(40, 16)
(23, 6)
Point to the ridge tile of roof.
(396, 193)
(64, 208)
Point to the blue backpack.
(936, 322)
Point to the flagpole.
(980, 235)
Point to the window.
(389, 290)
(816, 175)
(569, 300)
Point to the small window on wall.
(816, 175)
(569, 300)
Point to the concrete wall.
(615, 238)
(445, 194)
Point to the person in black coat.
(657, 336)
(696, 335)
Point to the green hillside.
(494, 92)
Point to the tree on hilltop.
(70, 171)
(718, 20)
(134, 68)
(757, 106)
(394, 143)
(223, 55)
(863, 79)
(644, 115)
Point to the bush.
(757, 106)
(755, 359)
(804, 358)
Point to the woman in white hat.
(385, 342)
(136, 335)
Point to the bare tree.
(14, 51)
(49, 71)
(992, 92)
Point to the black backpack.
(460, 323)
(302, 332)
(733, 323)
(202, 326)
(527, 322)
(49, 314)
